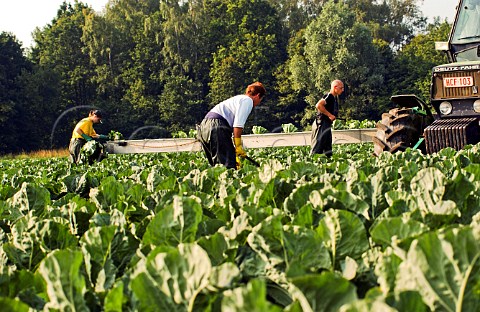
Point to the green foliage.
(12, 64)
(155, 67)
(300, 233)
(115, 135)
(394, 22)
(353, 124)
(179, 134)
(259, 130)
(182, 134)
(60, 51)
(180, 103)
(417, 59)
(91, 151)
(289, 128)
(64, 290)
(337, 46)
(192, 133)
(254, 50)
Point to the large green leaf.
(32, 198)
(80, 183)
(407, 301)
(294, 249)
(396, 230)
(367, 305)
(306, 217)
(115, 298)
(252, 297)
(51, 235)
(445, 268)
(157, 181)
(257, 212)
(386, 266)
(77, 211)
(133, 200)
(300, 196)
(344, 234)
(270, 170)
(23, 249)
(110, 194)
(170, 279)
(474, 172)
(458, 188)
(6, 191)
(139, 196)
(22, 284)
(204, 181)
(216, 246)
(13, 305)
(238, 230)
(273, 193)
(223, 276)
(325, 292)
(177, 223)
(63, 274)
(429, 187)
(96, 246)
(380, 185)
(300, 170)
(340, 199)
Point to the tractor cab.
(464, 41)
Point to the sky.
(21, 17)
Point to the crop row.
(152, 232)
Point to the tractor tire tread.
(398, 129)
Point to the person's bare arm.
(237, 132)
(321, 108)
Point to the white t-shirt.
(235, 110)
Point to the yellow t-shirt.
(87, 127)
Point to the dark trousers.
(321, 138)
(215, 135)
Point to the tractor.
(454, 95)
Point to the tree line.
(156, 67)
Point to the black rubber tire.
(398, 130)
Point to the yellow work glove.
(238, 164)
(239, 148)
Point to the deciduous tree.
(12, 64)
(337, 46)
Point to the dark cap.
(97, 113)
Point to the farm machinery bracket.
(249, 141)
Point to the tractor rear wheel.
(398, 130)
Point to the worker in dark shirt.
(327, 109)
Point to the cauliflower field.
(166, 232)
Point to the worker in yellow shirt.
(84, 133)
